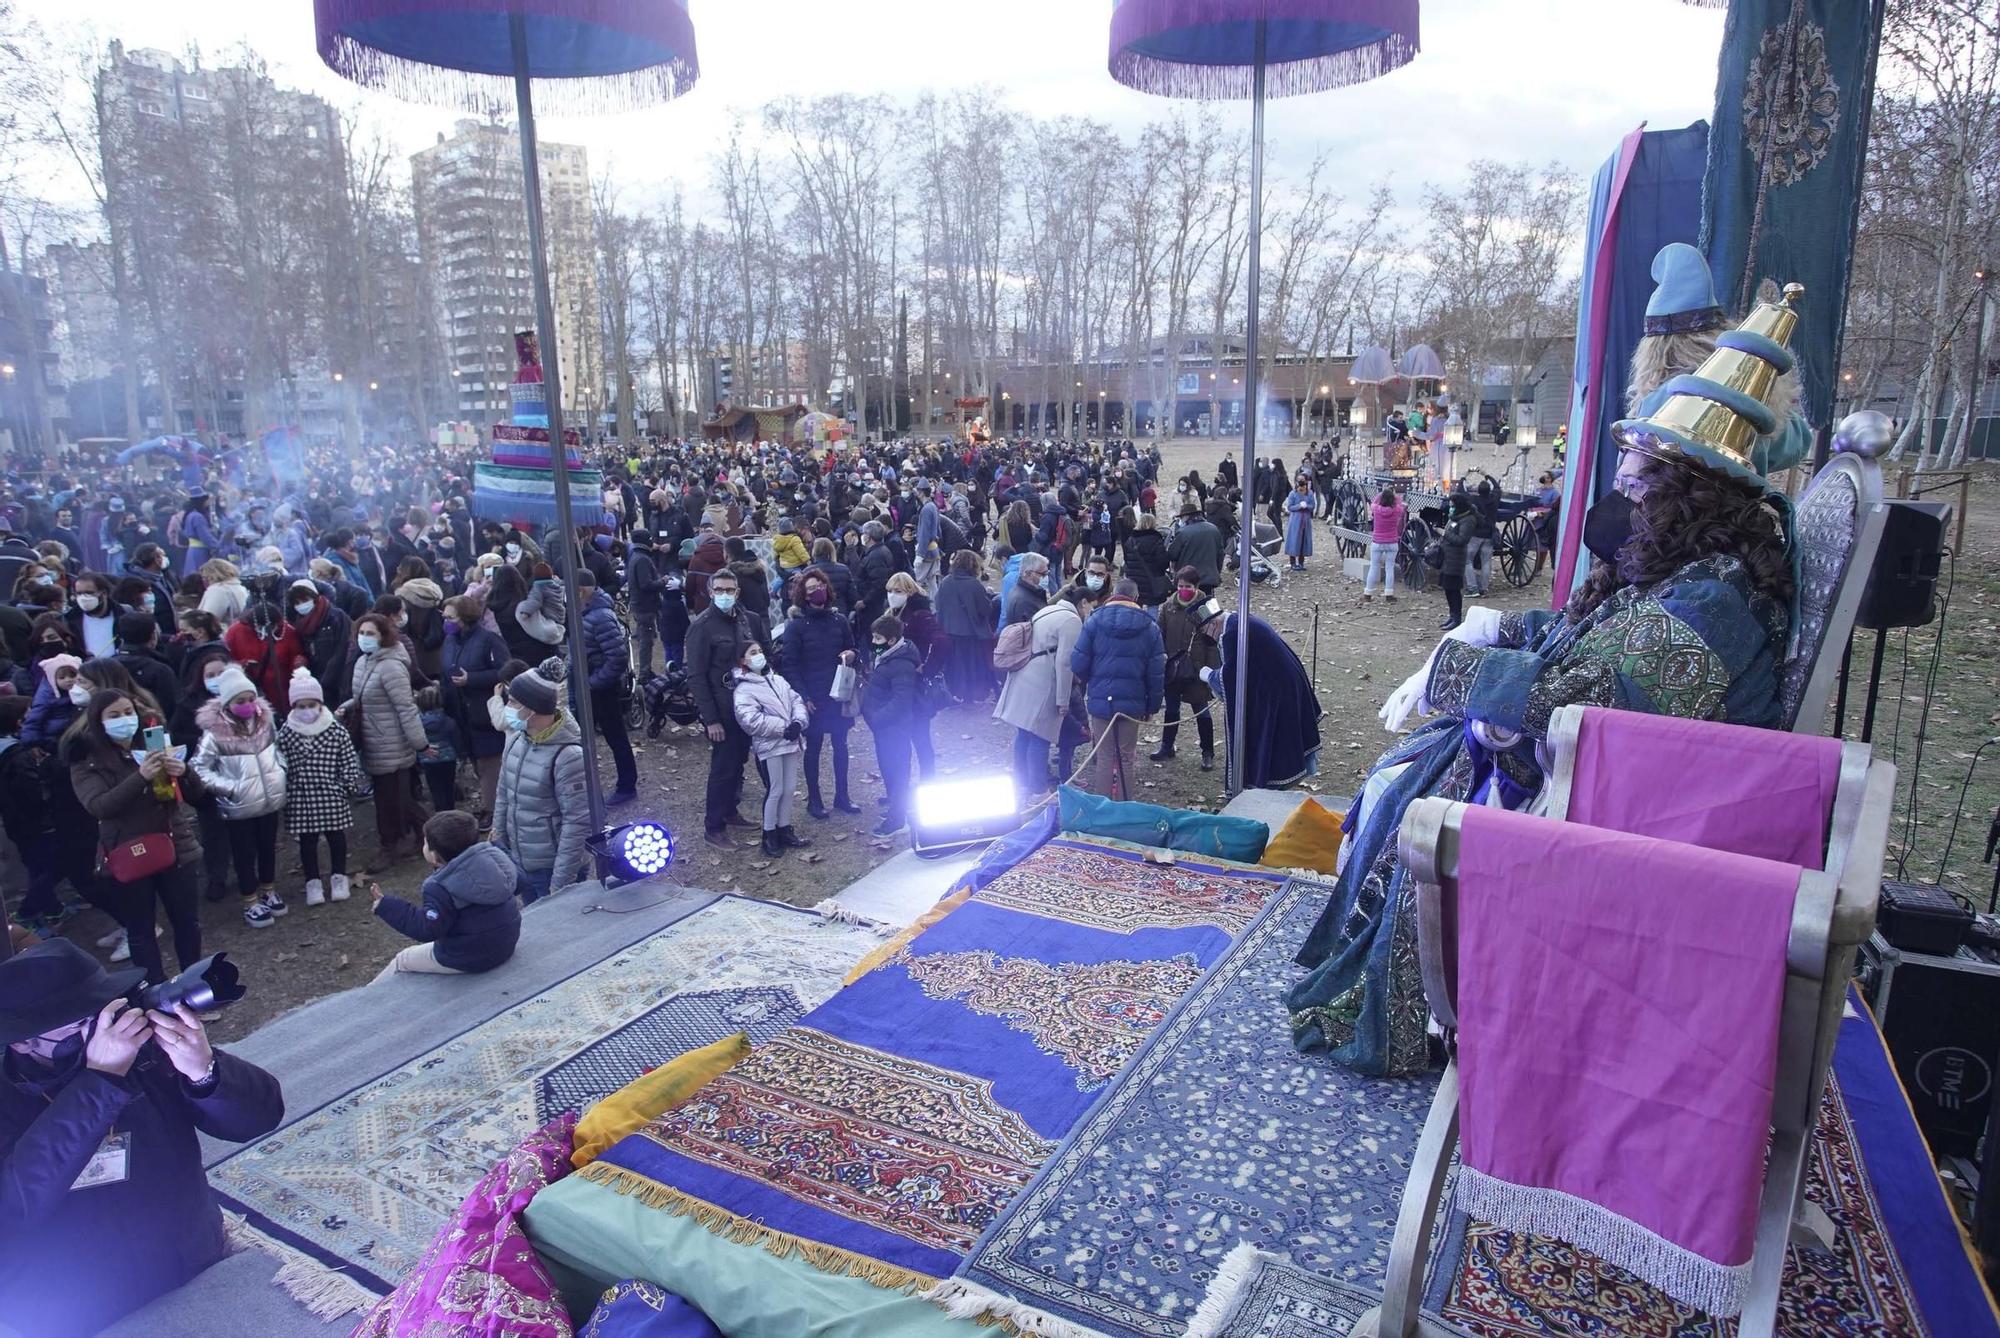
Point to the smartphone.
(156, 739)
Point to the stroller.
(1267, 541)
(668, 697)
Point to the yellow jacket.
(790, 551)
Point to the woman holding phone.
(127, 777)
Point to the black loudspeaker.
(1902, 588)
(1941, 1019)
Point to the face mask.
(517, 719)
(513, 552)
(304, 607)
(880, 644)
(1607, 525)
(146, 602)
(305, 715)
(725, 601)
(243, 710)
(757, 662)
(362, 543)
(121, 727)
(1093, 582)
(368, 645)
(45, 579)
(214, 685)
(79, 694)
(402, 621)
(451, 625)
(1186, 593)
(88, 603)
(897, 600)
(817, 597)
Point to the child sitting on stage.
(470, 918)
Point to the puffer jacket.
(813, 641)
(541, 812)
(765, 705)
(238, 761)
(1146, 564)
(604, 645)
(890, 699)
(392, 731)
(469, 910)
(1122, 661)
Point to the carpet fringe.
(968, 1300)
(326, 1292)
(742, 1231)
(833, 910)
(1238, 1267)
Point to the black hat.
(1190, 509)
(53, 984)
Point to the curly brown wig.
(1688, 512)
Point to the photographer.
(103, 1204)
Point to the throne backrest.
(1837, 529)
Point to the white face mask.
(79, 694)
(513, 552)
(368, 645)
(304, 607)
(897, 599)
(213, 684)
(305, 715)
(88, 603)
(402, 620)
(757, 662)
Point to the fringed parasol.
(1209, 48)
(1255, 49)
(1372, 367)
(1421, 363)
(583, 56)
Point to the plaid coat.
(322, 776)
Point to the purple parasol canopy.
(1208, 48)
(1421, 363)
(583, 56)
(1372, 367)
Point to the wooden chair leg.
(1409, 1252)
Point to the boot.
(773, 847)
(791, 840)
(843, 804)
(1164, 753)
(816, 807)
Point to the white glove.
(1213, 677)
(1407, 699)
(1480, 627)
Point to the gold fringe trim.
(742, 1231)
(904, 937)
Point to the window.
(195, 92)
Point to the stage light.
(632, 851)
(949, 814)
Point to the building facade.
(472, 227)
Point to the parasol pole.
(545, 326)
(1239, 691)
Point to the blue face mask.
(368, 645)
(725, 601)
(517, 719)
(121, 727)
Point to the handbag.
(845, 681)
(138, 857)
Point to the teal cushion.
(1240, 839)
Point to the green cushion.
(1240, 839)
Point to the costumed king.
(1686, 611)
(1281, 717)
(103, 1203)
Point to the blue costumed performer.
(1686, 611)
(1281, 719)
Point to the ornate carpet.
(885, 1132)
(1259, 1295)
(1898, 1264)
(364, 1182)
(1218, 1135)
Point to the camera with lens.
(209, 984)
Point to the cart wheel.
(635, 711)
(1514, 550)
(1410, 554)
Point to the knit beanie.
(233, 682)
(304, 686)
(540, 689)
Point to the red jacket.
(269, 663)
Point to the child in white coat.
(773, 714)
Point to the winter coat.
(871, 599)
(541, 810)
(155, 676)
(162, 1217)
(163, 598)
(889, 701)
(107, 783)
(1188, 652)
(1198, 544)
(841, 578)
(715, 643)
(1036, 696)
(425, 630)
(1385, 523)
(964, 608)
(238, 761)
(322, 776)
(790, 552)
(470, 910)
(753, 585)
(1146, 564)
(765, 705)
(480, 652)
(708, 559)
(1025, 602)
(392, 732)
(225, 600)
(1122, 661)
(813, 641)
(543, 612)
(326, 635)
(181, 726)
(606, 653)
(1452, 543)
(645, 582)
(269, 661)
(923, 630)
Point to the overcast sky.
(1508, 79)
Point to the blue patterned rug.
(1218, 1134)
(1259, 1295)
(362, 1184)
(683, 1023)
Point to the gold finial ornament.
(1715, 414)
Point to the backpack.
(1014, 649)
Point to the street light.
(6, 369)
(374, 385)
(338, 377)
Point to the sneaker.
(121, 951)
(889, 826)
(846, 806)
(272, 902)
(620, 797)
(1388, 599)
(315, 892)
(338, 889)
(721, 840)
(257, 916)
(111, 940)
